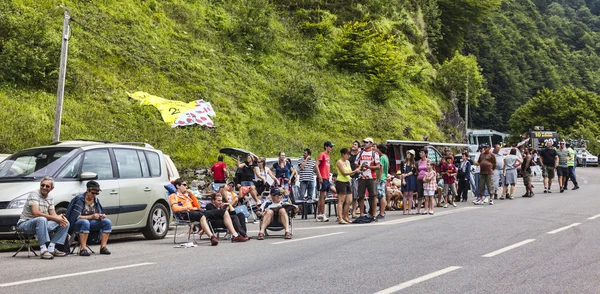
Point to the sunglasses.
(94, 193)
(184, 184)
(45, 186)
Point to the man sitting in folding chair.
(238, 219)
(184, 200)
(86, 215)
(39, 217)
(274, 213)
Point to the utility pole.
(60, 93)
(467, 110)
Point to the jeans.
(308, 188)
(572, 176)
(41, 226)
(85, 226)
(463, 189)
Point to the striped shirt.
(35, 199)
(308, 173)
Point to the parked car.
(4, 156)
(131, 177)
(590, 159)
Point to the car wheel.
(61, 210)
(158, 222)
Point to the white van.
(132, 179)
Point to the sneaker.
(440, 205)
(239, 238)
(549, 191)
(104, 250)
(431, 213)
(545, 191)
(454, 204)
(531, 194)
(58, 253)
(319, 219)
(324, 218)
(380, 216)
(446, 205)
(84, 252)
(46, 255)
(214, 241)
(562, 190)
(491, 202)
(575, 188)
(478, 202)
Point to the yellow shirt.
(341, 177)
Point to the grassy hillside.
(280, 75)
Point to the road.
(546, 244)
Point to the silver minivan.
(132, 179)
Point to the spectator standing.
(283, 170)
(464, 177)
(422, 166)
(354, 179)
(219, 173)
(247, 176)
(39, 217)
(307, 170)
(342, 185)
(260, 175)
(584, 158)
(562, 167)
(368, 162)
(571, 165)
(409, 181)
(382, 175)
(324, 184)
(499, 180)
(487, 164)
(429, 187)
(528, 162)
(511, 163)
(549, 161)
(449, 176)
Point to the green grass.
(237, 55)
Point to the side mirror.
(88, 176)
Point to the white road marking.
(594, 217)
(563, 228)
(74, 274)
(513, 246)
(307, 238)
(418, 280)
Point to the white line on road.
(594, 217)
(74, 274)
(513, 246)
(418, 280)
(307, 238)
(563, 228)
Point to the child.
(429, 187)
(449, 174)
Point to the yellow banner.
(170, 110)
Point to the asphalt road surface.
(546, 244)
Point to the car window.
(433, 155)
(98, 161)
(71, 170)
(37, 162)
(128, 163)
(154, 161)
(144, 163)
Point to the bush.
(299, 99)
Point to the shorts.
(325, 186)
(343, 188)
(380, 190)
(511, 177)
(499, 179)
(366, 185)
(562, 171)
(429, 193)
(247, 183)
(548, 171)
(526, 176)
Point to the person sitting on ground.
(272, 208)
(39, 217)
(183, 200)
(87, 215)
(238, 219)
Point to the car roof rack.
(83, 140)
(142, 144)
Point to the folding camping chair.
(25, 240)
(183, 219)
(275, 225)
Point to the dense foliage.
(289, 74)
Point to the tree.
(460, 74)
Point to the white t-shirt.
(476, 167)
(270, 204)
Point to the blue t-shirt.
(282, 172)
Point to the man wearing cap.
(487, 164)
(323, 180)
(549, 161)
(368, 161)
(271, 208)
(87, 215)
(39, 217)
(562, 169)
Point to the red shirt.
(324, 165)
(218, 170)
(449, 169)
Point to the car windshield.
(33, 163)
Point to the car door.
(134, 184)
(99, 161)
